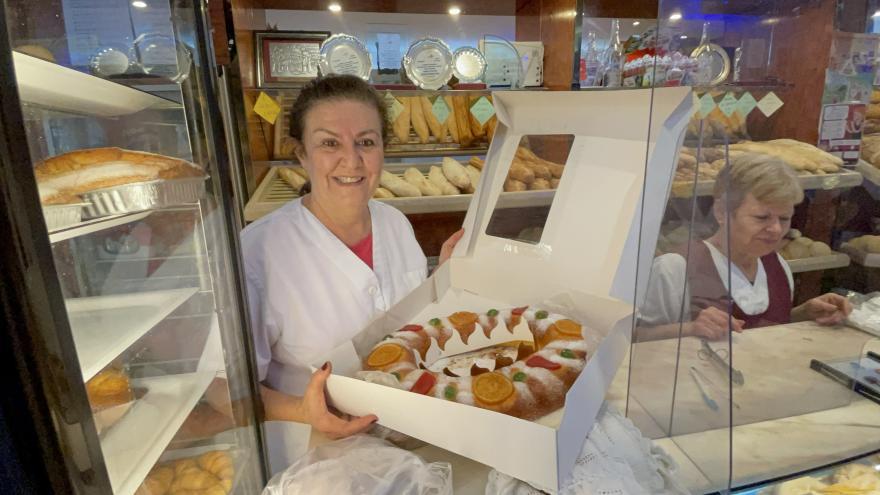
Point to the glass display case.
(745, 366)
(784, 82)
(142, 331)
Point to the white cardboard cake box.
(584, 267)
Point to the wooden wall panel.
(219, 36)
(801, 52)
(551, 22)
(627, 9)
(483, 7)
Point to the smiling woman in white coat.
(321, 267)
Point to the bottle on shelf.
(611, 62)
(590, 62)
(703, 57)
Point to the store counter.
(788, 418)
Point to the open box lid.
(594, 228)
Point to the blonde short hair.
(768, 179)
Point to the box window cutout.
(534, 175)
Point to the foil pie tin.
(428, 63)
(345, 54)
(140, 196)
(61, 216)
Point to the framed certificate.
(288, 58)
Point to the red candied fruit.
(539, 362)
(519, 311)
(424, 384)
(412, 328)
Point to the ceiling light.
(139, 4)
(454, 10)
(876, 14)
(335, 7)
(684, 36)
(676, 16)
(636, 23)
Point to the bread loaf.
(82, 171)
(420, 125)
(401, 125)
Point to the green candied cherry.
(449, 392)
(567, 353)
(492, 312)
(519, 376)
(396, 375)
(434, 322)
(540, 315)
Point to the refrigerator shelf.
(132, 446)
(105, 326)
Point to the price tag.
(394, 106)
(707, 104)
(267, 108)
(482, 110)
(746, 104)
(440, 110)
(728, 104)
(769, 104)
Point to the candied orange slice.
(492, 388)
(384, 355)
(568, 327)
(462, 318)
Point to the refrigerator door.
(134, 358)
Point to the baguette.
(301, 171)
(456, 173)
(437, 129)
(435, 175)
(414, 177)
(401, 125)
(451, 120)
(465, 136)
(382, 193)
(477, 129)
(492, 123)
(398, 186)
(420, 125)
(476, 162)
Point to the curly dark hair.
(335, 87)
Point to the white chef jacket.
(666, 288)
(309, 293)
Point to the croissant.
(217, 463)
(158, 482)
(193, 480)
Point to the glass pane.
(538, 165)
(136, 217)
(743, 334)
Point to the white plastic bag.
(362, 465)
(616, 460)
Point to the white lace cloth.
(616, 460)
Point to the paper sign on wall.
(769, 104)
(440, 110)
(746, 104)
(728, 104)
(707, 104)
(394, 106)
(482, 110)
(267, 108)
